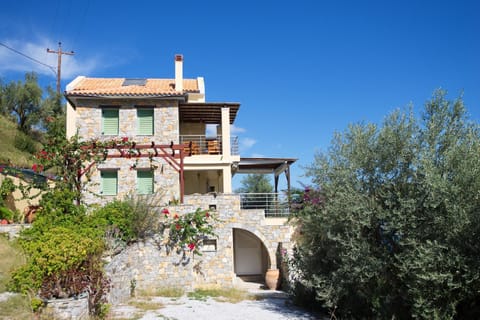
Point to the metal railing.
(199, 144)
(274, 204)
(234, 150)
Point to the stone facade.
(166, 122)
(166, 130)
(147, 265)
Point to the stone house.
(191, 160)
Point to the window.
(145, 122)
(110, 122)
(209, 245)
(109, 182)
(144, 181)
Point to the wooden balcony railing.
(199, 144)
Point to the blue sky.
(300, 69)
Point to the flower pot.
(272, 278)
(4, 221)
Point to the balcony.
(273, 204)
(200, 145)
(270, 205)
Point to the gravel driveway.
(273, 306)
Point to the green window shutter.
(109, 183)
(145, 182)
(110, 122)
(145, 122)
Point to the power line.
(28, 57)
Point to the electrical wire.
(28, 57)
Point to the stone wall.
(67, 309)
(89, 119)
(13, 230)
(148, 265)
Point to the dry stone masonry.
(148, 265)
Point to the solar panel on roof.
(134, 82)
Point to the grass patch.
(169, 292)
(231, 295)
(16, 307)
(11, 258)
(10, 143)
(145, 305)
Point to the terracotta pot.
(272, 278)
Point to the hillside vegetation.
(15, 146)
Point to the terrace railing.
(274, 204)
(199, 144)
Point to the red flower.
(177, 226)
(191, 246)
(1, 169)
(207, 214)
(37, 168)
(175, 216)
(165, 211)
(125, 139)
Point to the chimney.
(178, 72)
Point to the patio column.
(227, 179)
(226, 131)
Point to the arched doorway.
(251, 258)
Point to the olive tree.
(393, 230)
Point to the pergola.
(275, 166)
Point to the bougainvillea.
(188, 231)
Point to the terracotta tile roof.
(115, 87)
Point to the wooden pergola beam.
(172, 153)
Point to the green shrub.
(135, 218)
(6, 214)
(63, 252)
(6, 188)
(116, 214)
(25, 143)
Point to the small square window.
(209, 245)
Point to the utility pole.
(59, 53)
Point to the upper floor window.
(144, 181)
(145, 122)
(110, 122)
(109, 182)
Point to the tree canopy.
(392, 230)
(255, 183)
(24, 102)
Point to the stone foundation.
(148, 265)
(67, 309)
